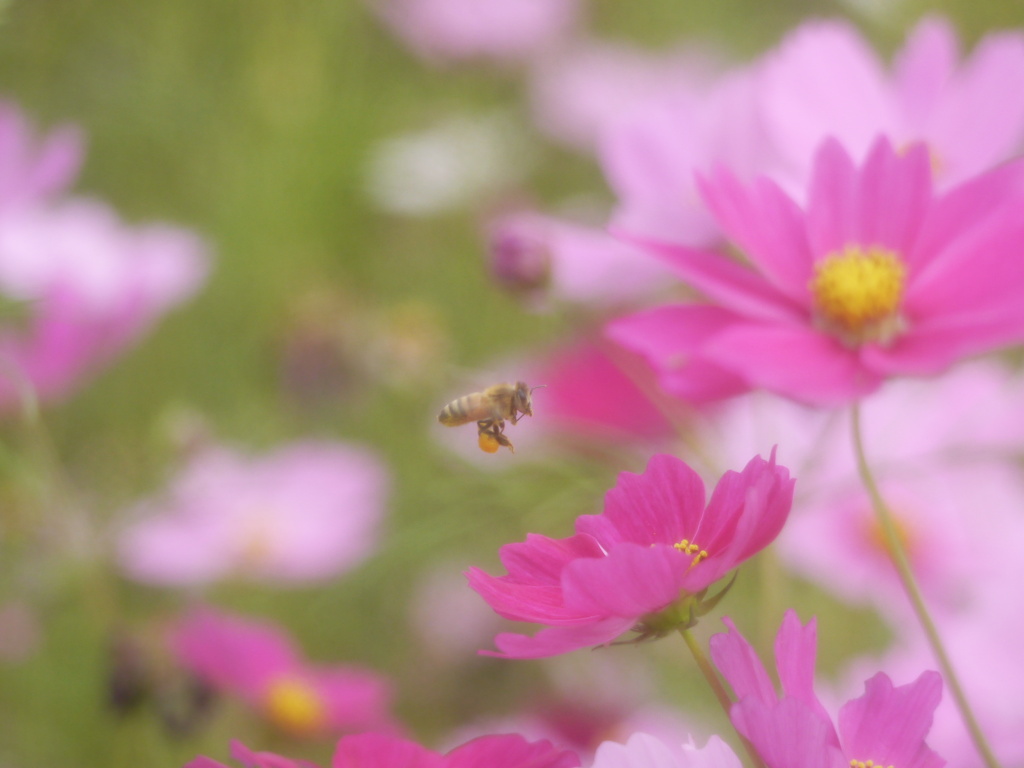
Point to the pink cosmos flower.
(876, 276)
(824, 80)
(87, 287)
(458, 30)
(645, 751)
(885, 726)
(306, 512)
(258, 663)
(643, 564)
(78, 286)
(546, 259)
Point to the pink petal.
(377, 750)
(204, 762)
(632, 581)
(768, 226)
(980, 120)
(522, 602)
(787, 734)
(355, 699)
(824, 80)
(922, 70)
(251, 759)
(929, 350)
(557, 640)
(881, 204)
(662, 505)
(889, 725)
(795, 650)
(540, 560)
(509, 751)
(722, 279)
(794, 361)
(738, 663)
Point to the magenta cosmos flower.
(643, 564)
(884, 727)
(377, 750)
(258, 663)
(306, 512)
(876, 276)
(824, 80)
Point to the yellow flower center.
(857, 292)
(866, 764)
(875, 535)
(690, 548)
(295, 706)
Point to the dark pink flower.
(258, 663)
(642, 564)
(886, 726)
(876, 276)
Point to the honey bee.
(489, 409)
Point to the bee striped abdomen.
(460, 411)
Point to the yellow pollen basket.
(689, 548)
(858, 291)
(295, 706)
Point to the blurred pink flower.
(824, 80)
(378, 750)
(306, 512)
(458, 30)
(581, 90)
(88, 287)
(30, 170)
(885, 726)
(78, 286)
(983, 643)
(258, 663)
(645, 751)
(945, 453)
(877, 277)
(642, 564)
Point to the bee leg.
(493, 430)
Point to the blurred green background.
(252, 123)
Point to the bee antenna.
(539, 386)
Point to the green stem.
(721, 694)
(900, 560)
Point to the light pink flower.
(885, 726)
(306, 512)
(824, 80)
(258, 663)
(877, 276)
(78, 285)
(545, 259)
(983, 643)
(642, 563)
(458, 30)
(645, 751)
(88, 287)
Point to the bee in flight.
(489, 409)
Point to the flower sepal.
(683, 614)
